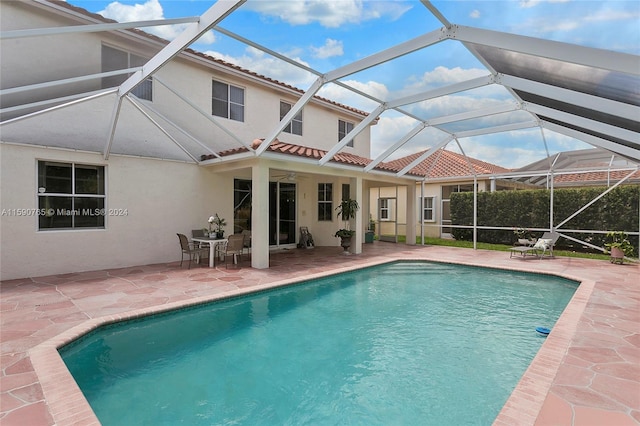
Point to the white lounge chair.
(542, 247)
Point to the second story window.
(227, 101)
(295, 126)
(114, 60)
(344, 127)
(325, 201)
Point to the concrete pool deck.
(586, 373)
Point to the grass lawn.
(500, 247)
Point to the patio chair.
(542, 247)
(247, 241)
(197, 233)
(190, 249)
(234, 247)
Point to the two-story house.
(94, 180)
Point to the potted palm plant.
(618, 245)
(347, 211)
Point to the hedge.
(616, 211)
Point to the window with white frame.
(227, 101)
(114, 60)
(428, 209)
(325, 201)
(70, 195)
(384, 209)
(344, 127)
(295, 126)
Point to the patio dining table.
(213, 242)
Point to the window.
(113, 60)
(384, 209)
(227, 101)
(295, 126)
(70, 196)
(325, 201)
(428, 209)
(343, 129)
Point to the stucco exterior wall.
(160, 198)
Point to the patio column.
(356, 246)
(259, 220)
(412, 195)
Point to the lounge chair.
(190, 249)
(542, 247)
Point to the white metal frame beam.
(596, 126)
(564, 52)
(211, 17)
(202, 112)
(617, 148)
(608, 106)
(352, 134)
(497, 129)
(406, 138)
(304, 99)
(383, 56)
(93, 28)
(425, 155)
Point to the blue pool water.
(402, 344)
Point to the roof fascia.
(620, 109)
(564, 52)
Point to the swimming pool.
(404, 343)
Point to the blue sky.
(325, 35)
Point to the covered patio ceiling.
(589, 94)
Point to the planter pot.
(617, 255)
(345, 243)
(368, 237)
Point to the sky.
(328, 34)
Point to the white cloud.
(331, 48)
(475, 14)
(330, 14)
(257, 61)
(148, 11)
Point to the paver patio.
(586, 373)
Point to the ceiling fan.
(290, 176)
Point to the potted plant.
(618, 245)
(347, 211)
(219, 224)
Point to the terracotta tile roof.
(298, 151)
(594, 177)
(449, 164)
(204, 56)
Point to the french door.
(282, 213)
